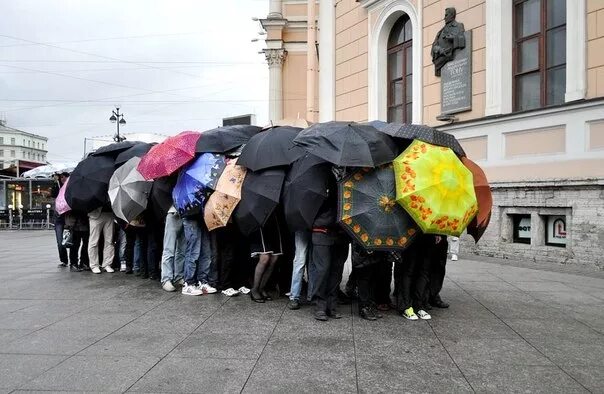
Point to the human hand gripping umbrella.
(271, 148)
(196, 182)
(435, 188)
(167, 157)
(129, 191)
(348, 144)
(89, 183)
(368, 211)
(226, 196)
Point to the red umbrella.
(166, 158)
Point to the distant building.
(20, 151)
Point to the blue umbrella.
(196, 182)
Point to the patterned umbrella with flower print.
(435, 188)
(369, 212)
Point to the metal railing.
(26, 219)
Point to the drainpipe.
(311, 60)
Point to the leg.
(261, 266)
(151, 253)
(302, 240)
(319, 273)
(169, 252)
(339, 254)
(123, 240)
(205, 256)
(108, 248)
(268, 272)
(93, 242)
(437, 274)
(73, 251)
(59, 227)
(192, 250)
(84, 259)
(179, 254)
(383, 279)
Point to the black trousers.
(366, 278)
(79, 257)
(412, 274)
(231, 270)
(326, 267)
(437, 268)
(382, 281)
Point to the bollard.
(10, 217)
(48, 216)
(20, 217)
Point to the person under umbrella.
(160, 197)
(423, 133)
(138, 150)
(167, 157)
(348, 144)
(129, 191)
(89, 183)
(225, 138)
(271, 148)
(61, 206)
(221, 204)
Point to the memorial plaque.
(456, 80)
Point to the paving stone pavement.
(509, 329)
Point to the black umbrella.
(137, 150)
(348, 144)
(160, 197)
(423, 133)
(89, 183)
(367, 209)
(304, 191)
(225, 138)
(259, 197)
(271, 148)
(114, 149)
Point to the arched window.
(400, 71)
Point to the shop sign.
(556, 230)
(523, 228)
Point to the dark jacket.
(76, 221)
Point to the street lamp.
(118, 119)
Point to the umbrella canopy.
(222, 202)
(129, 191)
(48, 170)
(422, 133)
(114, 149)
(271, 148)
(196, 181)
(138, 150)
(348, 144)
(165, 158)
(304, 191)
(160, 197)
(226, 138)
(435, 188)
(89, 183)
(259, 198)
(368, 210)
(479, 224)
(61, 205)
(294, 122)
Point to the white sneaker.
(409, 314)
(168, 286)
(423, 315)
(230, 292)
(96, 270)
(454, 257)
(207, 289)
(109, 269)
(244, 290)
(123, 266)
(191, 290)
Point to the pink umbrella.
(61, 205)
(166, 158)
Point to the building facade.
(535, 114)
(20, 151)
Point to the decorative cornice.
(275, 57)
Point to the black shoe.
(334, 314)
(137, 273)
(321, 315)
(75, 268)
(145, 275)
(428, 307)
(62, 265)
(343, 298)
(266, 296)
(439, 303)
(294, 305)
(84, 267)
(256, 297)
(153, 277)
(368, 313)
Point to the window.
(1, 140)
(12, 141)
(400, 71)
(522, 228)
(555, 230)
(1, 153)
(23, 154)
(539, 53)
(29, 155)
(28, 142)
(13, 153)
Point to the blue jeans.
(192, 249)
(204, 269)
(145, 251)
(302, 242)
(173, 256)
(59, 227)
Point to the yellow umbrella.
(226, 196)
(435, 188)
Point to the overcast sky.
(171, 65)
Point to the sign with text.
(456, 81)
(556, 230)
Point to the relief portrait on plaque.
(448, 39)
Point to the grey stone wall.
(581, 201)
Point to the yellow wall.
(294, 85)
(472, 14)
(595, 48)
(351, 61)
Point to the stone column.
(275, 58)
(274, 9)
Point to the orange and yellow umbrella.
(435, 188)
